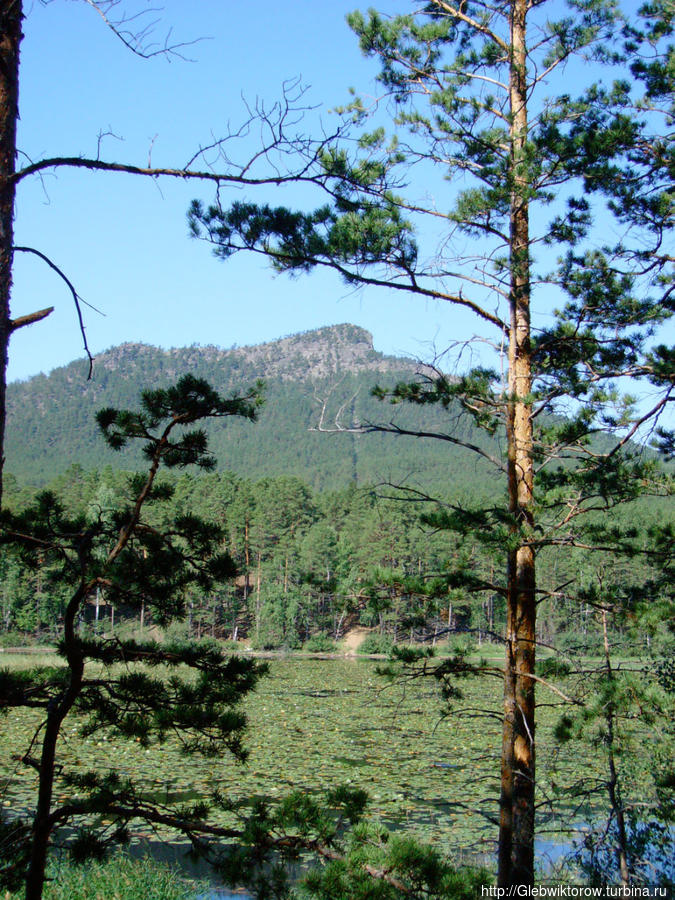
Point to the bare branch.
(550, 686)
(392, 428)
(456, 12)
(82, 162)
(15, 324)
(653, 415)
(360, 279)
(138, 39)
(76, 299)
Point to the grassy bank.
(119, 878)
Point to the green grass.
(119, 878)
(17, 660)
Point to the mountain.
(311, 379)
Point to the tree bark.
(57, 711)
(11, 16)
(516, 839)
(613, 786)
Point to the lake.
(319, 723)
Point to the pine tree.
(549, 141)
(135, 689)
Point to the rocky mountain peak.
(316, 354)
(319, 353)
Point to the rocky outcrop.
(320, 353)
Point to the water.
(222, 894)
(592, 850)
(548, 854)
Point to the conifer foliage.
(139, 690)
(553, 127)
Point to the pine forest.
(302, 619)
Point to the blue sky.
(123, 240)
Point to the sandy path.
(354, 638)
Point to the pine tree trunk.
(257, 602)
(516, 841)
(613, 786)
(43, 823)
(10, 37)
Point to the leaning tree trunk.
(516, 839)
(10, 37)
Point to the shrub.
(376, 643)
(461, 643)
(320, 643)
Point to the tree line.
(555, 233)
(313, 564)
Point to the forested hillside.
(311, 379)
(306, 505)
(314, 564)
